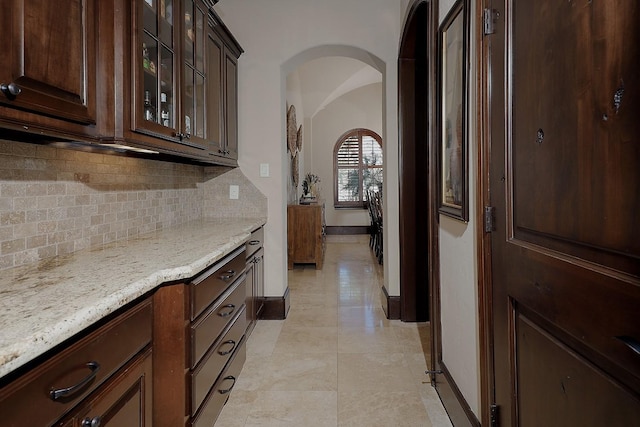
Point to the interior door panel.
(565, 169)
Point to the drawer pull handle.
(630, 342)
(254, 242)
(229, 378)
(229, 274)
(91, 422)
(227, 313)
(232, 343)
(69, 391)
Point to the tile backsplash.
(55, 201)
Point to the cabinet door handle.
(69, 391)
(630, 342)
(254, 242)
(10, 90)
(232, 343)
(227, 313)
(229, 378)
(229, 274)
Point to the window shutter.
(349, 153)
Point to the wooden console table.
(305, 234)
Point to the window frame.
(359, 133)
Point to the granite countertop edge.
(44, 304)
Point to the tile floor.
(336, 360)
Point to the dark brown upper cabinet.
(158, 75)
(223, 52)
(48, 72)
(175, 86)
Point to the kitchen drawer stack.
(103, 376)
(255, 278)
(202, 355)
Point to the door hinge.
(489, 219)
(489, 18)
(493, 414)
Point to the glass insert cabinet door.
(157, 105)
(194, 72)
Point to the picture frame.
(453, 176)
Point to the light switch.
(234, 192)
(264, 170)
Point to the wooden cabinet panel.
(255, 277)
(126, 400)
(223, 53)
(305, 234)
(48, 74)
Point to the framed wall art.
(452, 107)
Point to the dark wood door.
(565, 175)
(125, 400)
(49, 63)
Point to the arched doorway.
(416, 189)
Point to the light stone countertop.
(43, 304)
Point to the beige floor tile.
(295, 409)
(312, 316)
(380, 408)
(412, 338)
(307, 339)
(301, 372)
(367, 340)
(362, 317)
(236, 410)
(385, 371)
(264, 337)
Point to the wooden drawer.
(213, 282)
(209, 369)
(211, 324)
(93, 358)
(255, 242)
(219, 394)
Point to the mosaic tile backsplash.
(55, 201)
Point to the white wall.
(272, 33)
(361, 108)
(458, 271)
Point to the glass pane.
(167, 106)
(150, 78)
(166, 10)
(189, 32)
(149, 20)
(371, 151)
(166, 70)
(200, 110)
(188, 98)
(166, 22)
(348, 185)
(200, 33)
(149, 55)
(372, 180)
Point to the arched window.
(357, 167)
